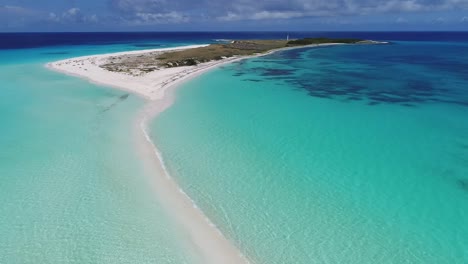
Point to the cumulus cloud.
(53, 17)
(401, 20)
(138, 6)
(232, 10)
(439, 20)
(230, 16)
(73, 15)
(275, 15)
(158, 18)
(17, 16)
(15, 10)
(151, 12)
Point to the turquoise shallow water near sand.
(331, 155)
(352, 154)
(72, 189)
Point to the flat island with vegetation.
(149, 62)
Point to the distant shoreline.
(152, 85)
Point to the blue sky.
(228, 15)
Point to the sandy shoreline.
(150, 86)
(204, 239)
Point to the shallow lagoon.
(351, 154)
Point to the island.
(214, 52)
(154, 75)
(149, 73)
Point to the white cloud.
(158, 18)
(235, 10)
(276, 9)
(92, 18)
(53, 17)
(401, 20)
(72, 15)
(275, 15)
(230, 16)
(439, 20)
(15, 10)
(148, 12)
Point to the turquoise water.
(352, 154)
(72, 189)
(334, 155)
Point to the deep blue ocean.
(345, 154)
(156, 39)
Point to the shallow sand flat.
(149, 85)
(204, 239)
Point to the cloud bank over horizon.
(88, 15)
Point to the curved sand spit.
(204, 239)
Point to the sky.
(232, 15)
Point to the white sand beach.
(203, 237)
(204, 240)
(149, 85)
